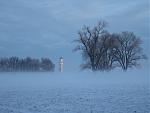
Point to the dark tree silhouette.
(106, 59)
(47, 65)
(129, 51)
(25, 64)
(89, 43)
(104, 51)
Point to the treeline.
(102, 50)
(28, 64)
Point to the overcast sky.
(46, 28)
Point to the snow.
(83, 92)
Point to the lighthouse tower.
(61, 64)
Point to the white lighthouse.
(61, 64)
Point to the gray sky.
(46, 28)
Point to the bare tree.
(25, 64)
(104, 51)
(109, 42)
(128, 51)
(91, 43)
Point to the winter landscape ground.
(84, 92)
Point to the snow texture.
(105, 92)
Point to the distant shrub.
(13, 64)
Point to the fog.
(35, 80)
(82, 92)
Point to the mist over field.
(41, 73)
(78, 79)
(80, 92)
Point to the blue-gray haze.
(46, 28)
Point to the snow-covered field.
(74, 93)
